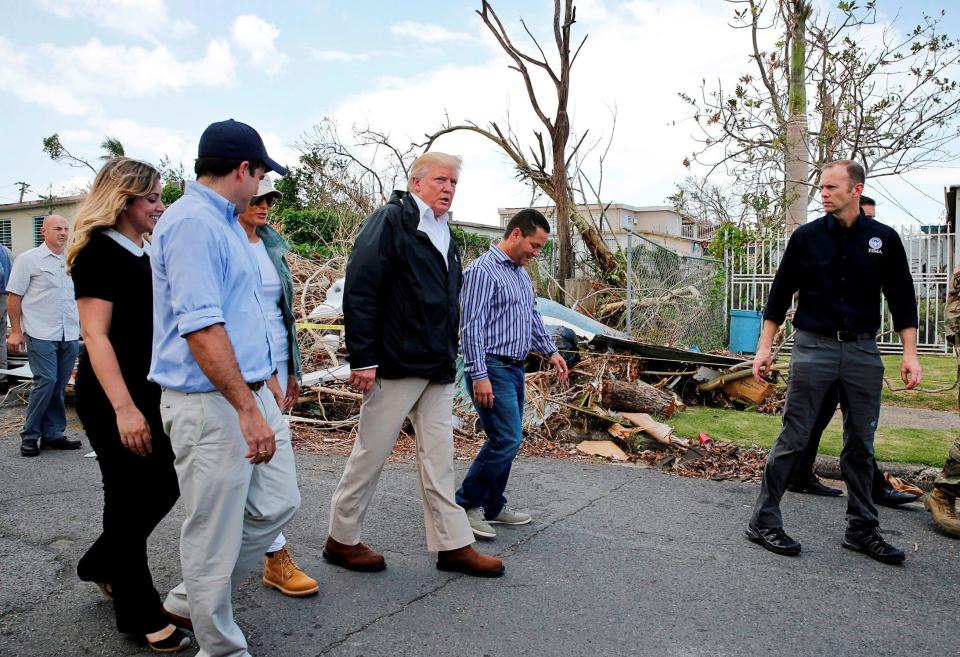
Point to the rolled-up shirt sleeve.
(194, 262)
(475, 300)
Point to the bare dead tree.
(549, 173)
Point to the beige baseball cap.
(266, 189)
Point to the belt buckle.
(845, 336)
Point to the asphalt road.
(619, 561)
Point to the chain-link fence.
(677, 299)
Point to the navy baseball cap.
(235, 140)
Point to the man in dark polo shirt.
(804, 480)
(839, 265)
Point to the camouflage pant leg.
(949, 477)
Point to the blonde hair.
(118, 182)
(430, 159)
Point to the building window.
(37, 235)
(5, 238)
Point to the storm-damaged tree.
(881, 97)
(547, 163)
(54, 148)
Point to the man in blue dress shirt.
(499, 324)
(211, 355)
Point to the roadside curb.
(923, 476)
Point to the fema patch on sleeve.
(875, 243)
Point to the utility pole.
(23, 189)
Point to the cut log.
(637, 397)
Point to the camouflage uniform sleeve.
(953, 308)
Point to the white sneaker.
(510, 517)
(479, 524)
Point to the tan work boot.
(941, 507)
(468, 561)
(281, 572)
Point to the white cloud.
(428, 33)
(68, 79)
(145, 19)
(630, 62)
(338, 56)
(258, 38)
(17, 78)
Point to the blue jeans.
(51, 362)
(487, 479)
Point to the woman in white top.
(269, 248)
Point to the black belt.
(506, 360)
(255, 385)
(844, 336)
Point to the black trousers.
(804, 471)
(819, 363)
(138, 491)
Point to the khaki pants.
(233, 509)
(430, 407)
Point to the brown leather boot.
(281, 572)
(353, 557)
(941, 507)
(468, 561)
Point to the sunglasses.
(269, 199)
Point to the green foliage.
(729, 236)
(472, 246)
(317, 232)
(174, 180)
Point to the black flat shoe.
(871, 543)
(773, 539)
(176, 642)
(893, 498)
(814, 487)
(29, 447)
(59, 443)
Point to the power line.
(888, 196)
(937, 201)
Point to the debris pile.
(618, 392)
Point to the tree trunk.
(636, 397)
(797, 157)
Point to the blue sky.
(154, 73)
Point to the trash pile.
(618, 392)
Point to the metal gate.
(750, 271)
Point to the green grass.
(927, 446)
(938, 372)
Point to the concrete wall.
(21, 216)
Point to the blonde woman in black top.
(120, 410)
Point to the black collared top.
(840, 273)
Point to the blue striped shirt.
(498, 313)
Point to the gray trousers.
(234, 509)
(819, 362)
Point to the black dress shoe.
(773, 539)
(893, 498)
(814, 487)
(870, 542)
(29, 447)
(59, 443)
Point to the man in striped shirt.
(499, 324)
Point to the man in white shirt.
(43, 317)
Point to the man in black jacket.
(402, 315)
(839, 264)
